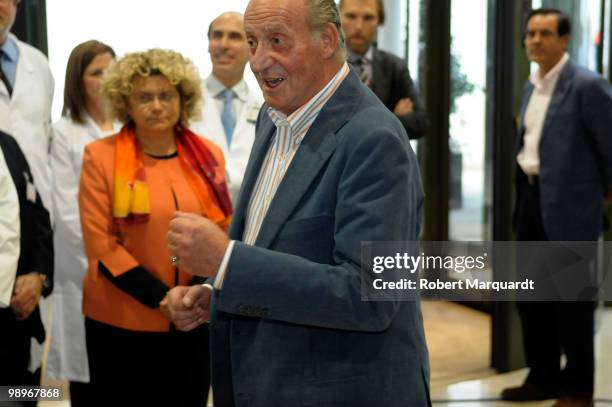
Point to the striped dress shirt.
(290, 131)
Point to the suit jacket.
(575, 154)
(36, 239)
(391, 82)
(289, 326)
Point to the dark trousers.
(147, 368)
(14, 350)
(80, 394)
(551, 329)
(15, 338)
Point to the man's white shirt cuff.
(223, 267)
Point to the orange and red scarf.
(203, 172)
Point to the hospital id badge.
(30, 192)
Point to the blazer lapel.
(316, 148)
(380, 81)
(258, 152)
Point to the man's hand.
(198, 243)
(187, 307)
(404, 106)
(28, 289)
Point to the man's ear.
(565, 39)
(330, 39)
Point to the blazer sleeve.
(100, 234)
(377, 176)
(416, 123)
(43, 243)
(597, 112)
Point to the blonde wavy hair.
(180, 71)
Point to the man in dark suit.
(329, 168)
(564, 175)
(21, 321)
(386, 74)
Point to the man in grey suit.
(328, 170)
(564, 175)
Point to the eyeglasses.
(147, 99)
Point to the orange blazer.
(123, 247)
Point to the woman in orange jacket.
(132, 183)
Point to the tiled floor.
(459, 342)
(484, 392)
(459, 345)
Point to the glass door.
(470, 196)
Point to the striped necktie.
(363, 70)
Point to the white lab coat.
(9, 233)
(236, 155)
(67, 359)
(27, 117)
(27, 114)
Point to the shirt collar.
(313, 106)
(551, 76)
(10, 49)
(354, 56)
(215, 86)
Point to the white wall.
(392, 35)
(133, 25)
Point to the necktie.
(3, 77)
(363, 70)
(227, 116)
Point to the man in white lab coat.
(9, 234)
(230, 108)
(26, 93)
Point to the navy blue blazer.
(575, 155)
(289, 327)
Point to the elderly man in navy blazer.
(564, 175)
(329, 169)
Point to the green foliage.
(460, 85)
